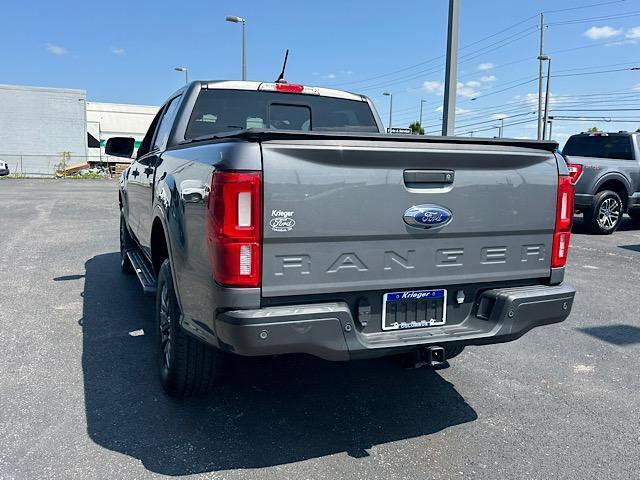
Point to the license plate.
(416, 309)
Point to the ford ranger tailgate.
(338, 214)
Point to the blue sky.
(126, 51)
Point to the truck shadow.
(627, 224)
(272, 411)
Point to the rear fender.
(618, 177)
(162, 210)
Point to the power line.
(463, 59)
(634, 13)
(431, 60)
(521, 122)
(581, 7)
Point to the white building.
(42, 127)
(106, 120)
(39, 127)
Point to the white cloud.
(633, 33)
(598, 33)
(485, 66)
(329, 76)
(56, 49)
(636, 88)
(431, 86)
(468, 89)
(488, 78)
(498, 116)
(117, 51)
(459, 111)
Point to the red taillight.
(564, 220)
(234, 228)
(575, 170)
(289, 88)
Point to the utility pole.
(540, 59)
(501, 128)
(421, 103)
(550, 127)
(546, 100)
(451, 72)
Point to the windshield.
(218, 111)
(600, 146)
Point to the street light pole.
(540, 55)
(186, 73)
(451, 72)
(234, 19)
(390, 95)
(546, 99)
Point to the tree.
(416, 128)
(638, 130)
(593, 129)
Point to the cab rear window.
(218, 111)
(615, 146)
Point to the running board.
(143, 271)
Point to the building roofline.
(76, 91)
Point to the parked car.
(606, 170)
(4, 168)
(273, 218)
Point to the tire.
(606, 214)
(126, 242)
(452, 351)
(187, 366)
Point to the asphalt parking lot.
(80, 398)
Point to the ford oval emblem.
(427, 216)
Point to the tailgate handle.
(420, 178)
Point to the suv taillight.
(564, 220)
(575, 170)
(234, 228)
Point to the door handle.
(428, 178)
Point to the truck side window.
(615, 146)
(166, 123)
(145, 145)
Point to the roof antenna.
(284, 66)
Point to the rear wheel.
(187, 366)
(606, 214)
(126, 242)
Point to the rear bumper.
(329, 331)
(4, 172)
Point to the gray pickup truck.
(605, 168)
(272, 218)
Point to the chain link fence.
(61, 164)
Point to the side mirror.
(120, 146)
